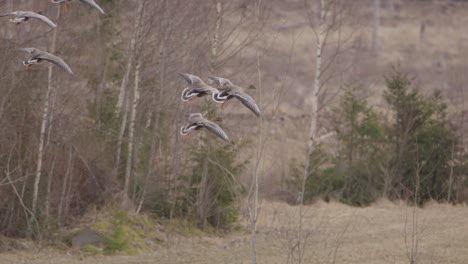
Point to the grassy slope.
(374, 235)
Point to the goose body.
(197, 88)
(198, 122)
(39, 55)
(21, 16)
(229, 91)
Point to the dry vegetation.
(111, 131)
(338, 234)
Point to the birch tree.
(130, 56)
(325, 18)
(123, 94)
(131, 132)
(45, 118)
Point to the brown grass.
(374, 234)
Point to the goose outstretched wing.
(248, 101)
(30, 14)
(14, 13)
(215, 129)
(42, 55)
(33, 51)
(55, 60)
(94, 5)
(220, 82)
(192, 79)
(41, 18)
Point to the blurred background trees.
(111, 136)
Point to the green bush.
(117, 240)
(410, 157)
(209, 194)
(420, 142)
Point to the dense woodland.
(341, 119)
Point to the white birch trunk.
(45, 118)
(320, 35)
(131, 55)
(131, 131)
(254, 207)
(122, 101)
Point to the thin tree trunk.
(131, 55)
(45, 117)
(64, 187)
(215, 43)
(123, 127)
(376, 27)
(203, 195)
(25, 208)
(157, 115)
(320, 35)
(66, 211)
(21, 198)
(131, 131)
(122, 104)
(253, 209)
(204, 188)
(9, 8)
(450, 183)
(315, 93)
(47, 197)
(101, 86)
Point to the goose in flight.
(88, 2)
(21, 16)
(198, 122)
(229, 91)
(38, 56)
(197, 88)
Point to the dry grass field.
(337, 234)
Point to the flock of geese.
(224, 91)
(38, 55)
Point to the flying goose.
(89, 2)
(26, 15)
(229, 91)
(38, 56)
(196, 88)
(197, 122)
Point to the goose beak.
(64, 6)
